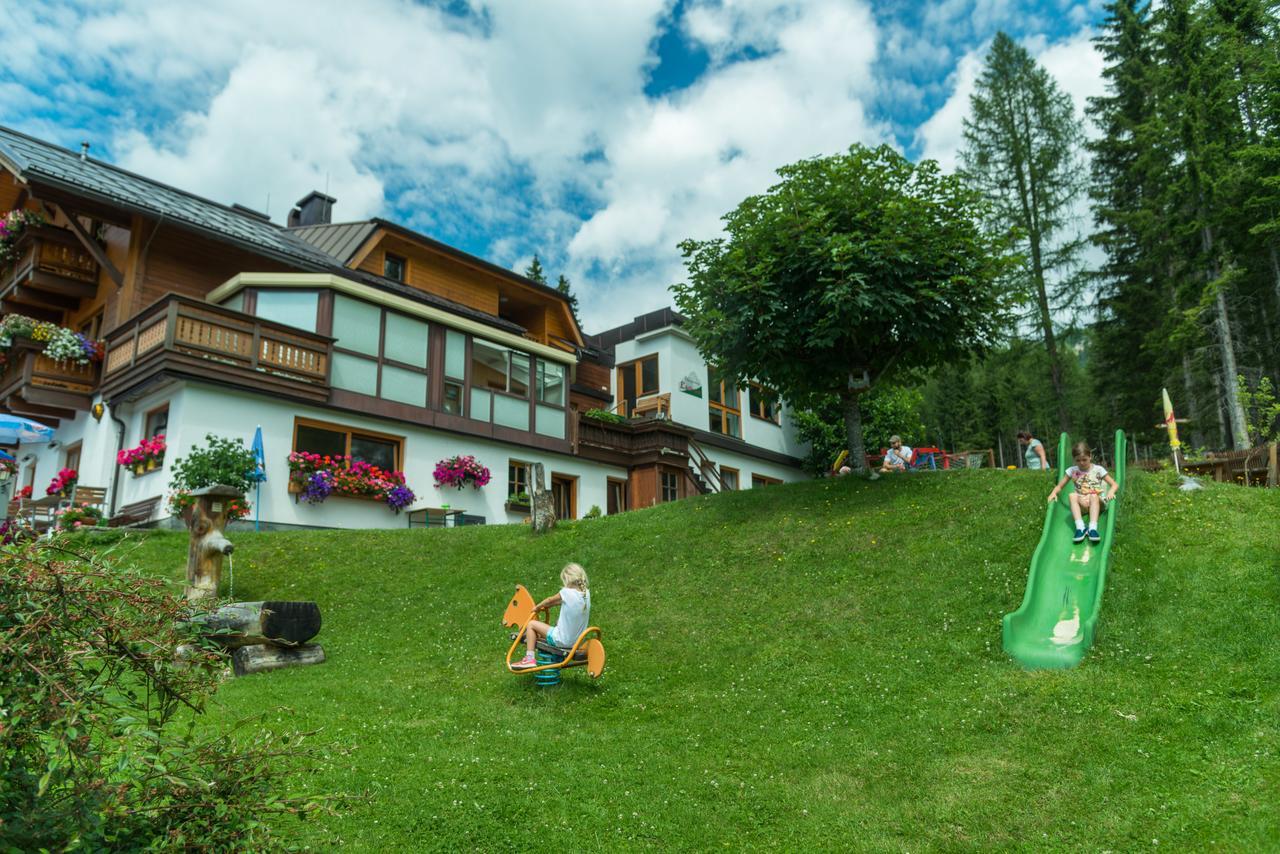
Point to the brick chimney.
(315, 208)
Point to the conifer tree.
(535, 272)
(563, 286)
(1021, 150)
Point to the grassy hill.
(809, 666)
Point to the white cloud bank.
(524, 122)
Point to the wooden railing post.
(170, 326)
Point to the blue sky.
(598, 135)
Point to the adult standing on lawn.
(1034, 454)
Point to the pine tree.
(535, 272)
(562, 285)
(1021, 150)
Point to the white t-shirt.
(575, 613)
(898, 456)
(1088, 482)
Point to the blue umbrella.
(7, 457)
(14, 429)
(259, 475)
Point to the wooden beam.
(45, 299)
(91, 246)
(11, 306)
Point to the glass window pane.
(480, 404)
(511, 412)
(717, 424)
(292, 308)
(488, 365)
(734, 425)
(406, 340)
(378, 452)
(713, 387)
(453, 398)
(455, 354)
(550, 421)
(356, 324)
(317, 440)
(649, 376)
(551, 383)
(354, 373)
(731, 397)
(404, 386)
(236, 303)
(519, 374)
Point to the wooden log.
(544, 513)
(206, 518)
(263, 657)
(285, 624)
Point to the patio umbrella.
(258, 476)
(14, 429)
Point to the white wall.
(678, 357)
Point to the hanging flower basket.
(63, 484)
(461, 472)
(146, 456)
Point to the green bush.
(221, 461)
(99, 748)
(604, 415)
(593, 513)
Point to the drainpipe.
(115, 475)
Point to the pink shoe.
(525, 663)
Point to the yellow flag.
(1169, 422)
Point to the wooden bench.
(654, 406)
(136, 513)
(89, 496)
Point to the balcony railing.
(183, 336)
(607, 439)
(51, 270)
(43, 385)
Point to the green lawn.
(808, 666)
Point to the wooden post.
(206, 519)
(544, 511)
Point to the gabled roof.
(340, 240)
(37, 162)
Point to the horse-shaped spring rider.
(587, 651)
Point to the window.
(759, 480)
(637, 379)
(315, 437)
(292, 308)
(71, 458)
(29, 476)
(157, 423)
(499, 368)
(564, 496)
(550, 381)
(617, 496)
(379, 352)
(517, 480)
(455, 370)
(723, 407)
(765, 404)
(92, 327)
(670, 485)
(393, 267)
(729, 477)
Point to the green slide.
(1054, 627)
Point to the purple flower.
(318, 487)
(399, 497)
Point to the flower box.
(519, 506)
(146, 457)
(314, 478)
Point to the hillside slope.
(809, 666)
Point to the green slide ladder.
(1055, 624)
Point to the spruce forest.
(1148, 231)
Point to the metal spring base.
(546, 678)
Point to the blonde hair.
(1081, 449)
(574, 576)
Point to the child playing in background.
(1088, 479)
(574, 600)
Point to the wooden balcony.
(179, 337)
(51, 274)
(633, 442)
(35, 386)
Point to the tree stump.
(206, 519)
(260, 658)
(287, 624)
(543, 507)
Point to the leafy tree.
(535, 272)
(1021, 150)
(886, 410)
(562, 285)
(853, 265)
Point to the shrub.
(605, 415)
(593, 513)
(94, 753)
(221, 461)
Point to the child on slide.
(574, 600)
(1089, 479)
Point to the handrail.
(705, 465)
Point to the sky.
(597, 135)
